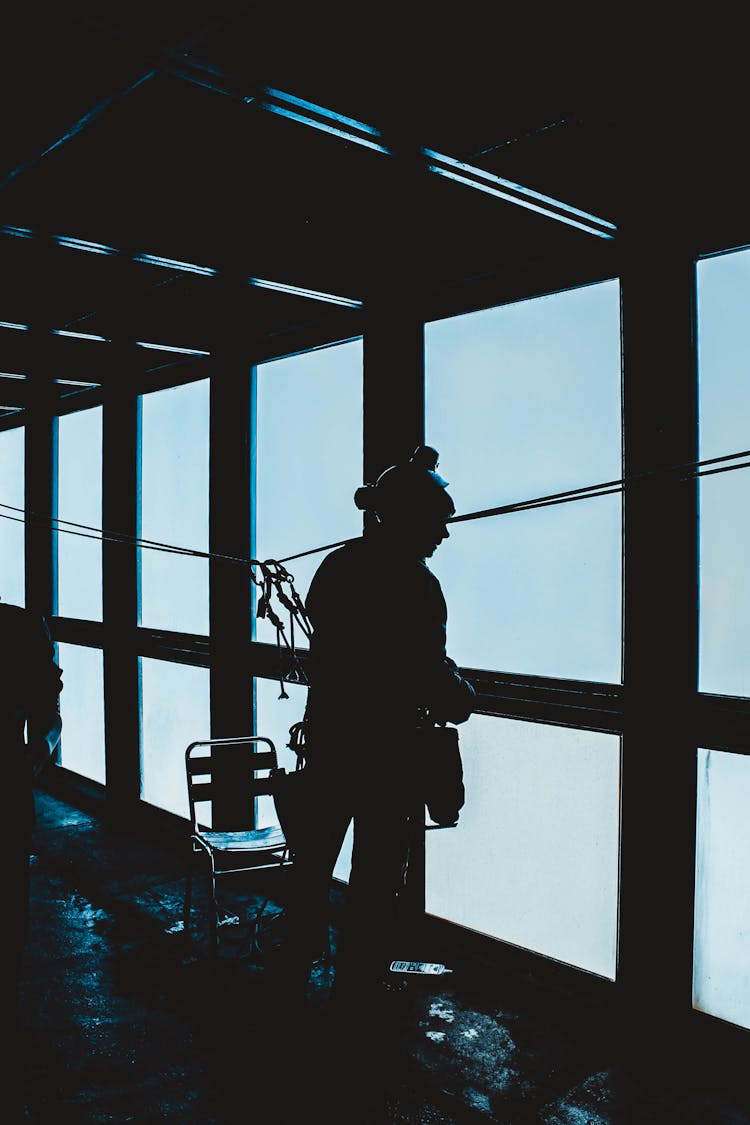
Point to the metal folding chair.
(230, 851)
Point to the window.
(308, 458)
(721, 964)
(724, 428)
(82, 711)
(12, 554)
(79, 556)
(174, 507)
(524, 401)
(175, 711)
(534, 859)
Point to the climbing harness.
(275, 581)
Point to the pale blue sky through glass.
(82, 711)
(721, 957)
(724, 428)
(175, 712)
(12, 581)
(534, 859)
(174, 507)
(79, 500)
(523, 401)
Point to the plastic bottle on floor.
(425, 968)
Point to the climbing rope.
(279, 598)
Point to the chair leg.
(214, 912)
(188, 902)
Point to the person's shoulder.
(25, 627)
(18, 616)
(341, 570)
(343, 558)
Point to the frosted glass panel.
(274, 717)
(724, 413)
(174, 507)
(82, 711)
(537, 592)
(175, 711)
(79, 500)
(534, 859)
(308, 459)
(724, 656)
(525, 401)
(721, 965)
(12, 555)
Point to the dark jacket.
(378, 649)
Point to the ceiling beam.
(82, 359)
(164, 59)
(185, 266)
(178, 63)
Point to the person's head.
(411, 502)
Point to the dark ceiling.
(168, 131)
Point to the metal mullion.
(231, 535)
(530, 710)
(40, 485)
(182, 648)
(78, 631)
(40, 475)
(723, 723)
(660, 633)
(120, 567)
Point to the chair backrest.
(231, 766)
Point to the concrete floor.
(126, 1020)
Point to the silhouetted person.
(30, 726)
(378, 665)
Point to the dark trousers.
(383, 812)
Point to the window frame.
(659, 381)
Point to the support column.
(230, 531)
(660, 630)
(120, 490)
(40, 471)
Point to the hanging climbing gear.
(272, 579)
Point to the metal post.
(120, 488)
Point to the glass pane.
(82, 711)
(175, 711)
(537, 592)
(274, 717)
(12, 555)
(532, 861)
(524, 401)
(724, 413)
(174, 507)
(79, 500)
(721, 960)
(308, 458)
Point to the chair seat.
(250, 840)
